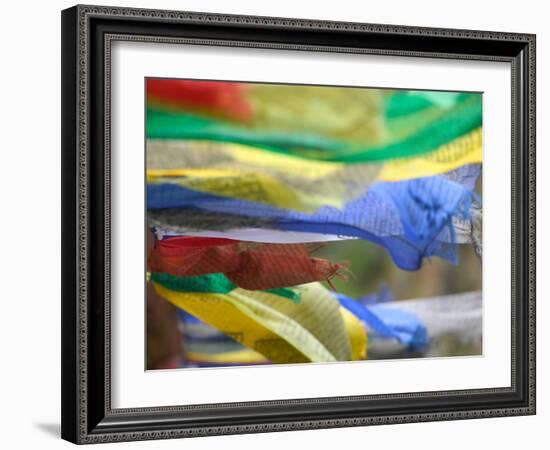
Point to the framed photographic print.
(281, 224)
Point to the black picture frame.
(87, 33)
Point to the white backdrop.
(133, 387)
(30, 187)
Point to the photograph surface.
(302, 223)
